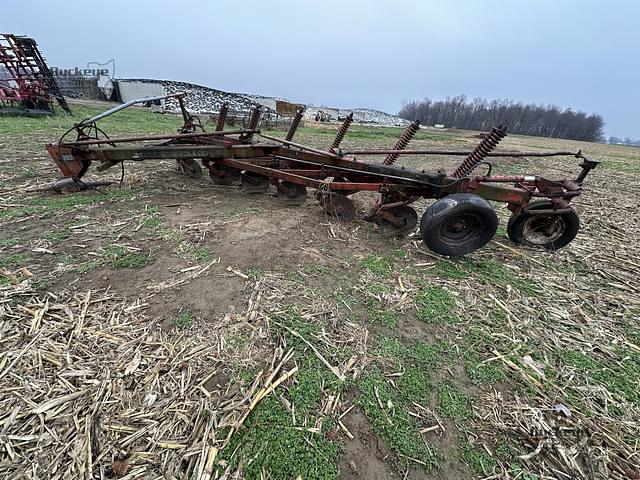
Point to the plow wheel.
(292, 194)
(338, 206)
(543, 231)
(458, 224)
(190, 167)
(398, 220)
(223, 175)
(254, 183)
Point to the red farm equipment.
(460, 221)
(28, 86)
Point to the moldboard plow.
(460, 221)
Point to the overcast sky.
(357, 53)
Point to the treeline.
(624, 141)
(525, 119)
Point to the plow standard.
(460, 221)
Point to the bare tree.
(529, 119)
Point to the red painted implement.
(30, 87)
(459, 222)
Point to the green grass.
(90, 265)
(41, 284)
(202, 253)
(418, 354)
(29, 172)
(15, 260)
(377, 289)
(271, 441)
(387, 403)
(59, 234)
(475, 346)
(152, 223)
(315, 269)
(478, 459)
(392, 421)
(9, 242)
(132, 120)
(621, 375)
(386, 318)
(488, 271)
(453, 403)
(627, 165)
(254, 273)
(119, 257)
(378, 265)
(436, 305)
(413, 385)
(49, 205)
(183, 320)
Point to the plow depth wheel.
(458, 224)
(543, 231)
(190, 167)
(292, 194)
(338, 206)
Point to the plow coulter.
(460, 220)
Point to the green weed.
(315, 269)
(50, 205)
(476, 343)
(8, 242)
(202, 253)
(119, 257)
(88, 266)
(254, 273)
(436, 305)
(488, 271)
(453, 403)
(378, 265)
(271, 442)
(392, 421)
(478, 459)
(621, 376)
(386, 318)
(184, 319)
(59, 234)
(29, 172)
(14, 260)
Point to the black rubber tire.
(458, 224)
(565, 227)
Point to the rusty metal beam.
(142, 138)
(459, 153)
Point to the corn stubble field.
(172, 328)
